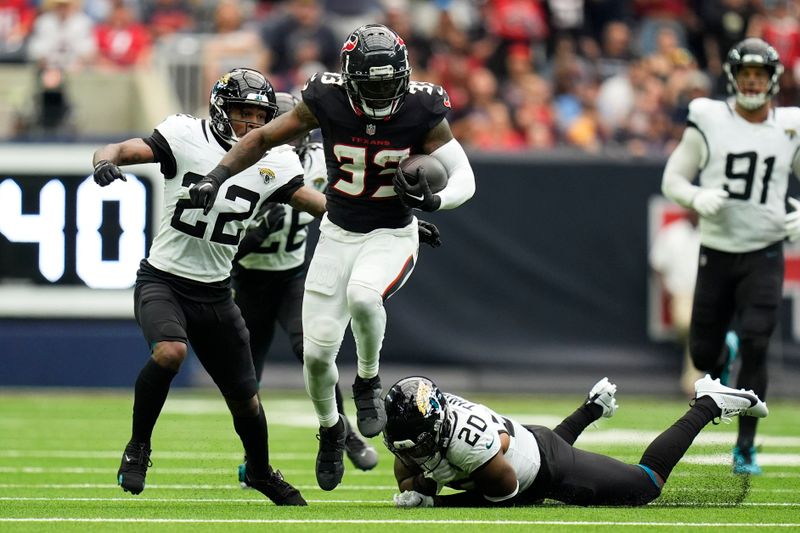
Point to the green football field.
(60, 450)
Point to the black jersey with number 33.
(362, 154)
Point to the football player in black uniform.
(182, 291)
(270, 266)
(371, 116)
(441, 439)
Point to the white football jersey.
(752, 161)
(475, 440)
(286, 248)
(201, 247)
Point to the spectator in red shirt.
(121, 40)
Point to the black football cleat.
(133, 469)
(360, 453)
(330, 457)
(276, 489)
(370, 412)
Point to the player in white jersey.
(441, 439)
(182, 293)
(743, 151)
(271, 266)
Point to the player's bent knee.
(245, 408)
(318, 357)
(363, 301)
(170, 354)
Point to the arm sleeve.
(162, 154)
(461, 179)
(472, 498)
(682, 166)
(284, 194)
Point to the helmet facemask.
(753, 53)
(379, 94)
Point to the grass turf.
(60, 450)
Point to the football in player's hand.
(435, 172)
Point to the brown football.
(434, 171)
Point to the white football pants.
(350, 276)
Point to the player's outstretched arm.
(250, 149)
(109, 158)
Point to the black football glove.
(105, 172)
(417, 196)
(271, 220)
(429, 234)
(204, 192)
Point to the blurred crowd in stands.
(522, 75)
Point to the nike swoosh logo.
(490, 444)
(745, 396)
(127, 458)
(420, 198)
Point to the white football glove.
(412, 498)
(792, 221)
(603, 395)
(443, 473)
(707, 202)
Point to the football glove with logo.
(417, 196)
(105, 172)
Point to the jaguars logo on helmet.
(237, 87)
(753, 52)
(418, 424)
(375, 70)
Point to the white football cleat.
(732, 401)
(603, 395)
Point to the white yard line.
(410, 521)
(355, 502)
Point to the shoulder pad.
(175, 125)
(701, 110)
(317, 85)
(433, 97)
(788, 117)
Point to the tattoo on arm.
(255, 144)
(438, 136)
(306, 117)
